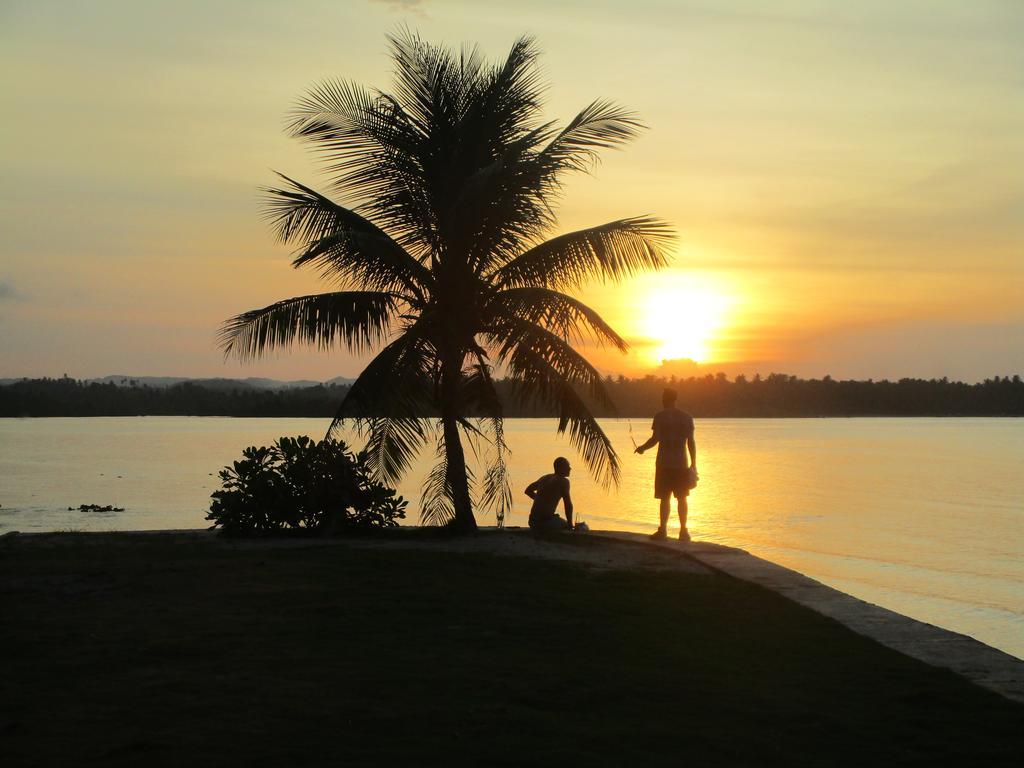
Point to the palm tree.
(439, 257)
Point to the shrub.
(298, 483)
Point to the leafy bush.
(298, 483)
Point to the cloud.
(413, 6)
(8, 292)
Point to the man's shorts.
(669, 481)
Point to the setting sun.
(682, 317)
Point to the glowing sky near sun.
(847, 179)
(681, 315)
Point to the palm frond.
(397, 382)
(388, 402)
(500, 205)
(358, 319)
(374, 150)
(546, 369)
(532, 185)
(496, 490)
(392, 443)
(356, 131)
(436, 505)
(569, 318)
(509, 99)
(600, 125)
(333, 115)
(611, 251)
(587, 437)
(478, 391)
(344, 245)
(470, 114)
(518, 343)
(538, 379)
(426, 81)
(481, 396)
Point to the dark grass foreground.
(126, 651)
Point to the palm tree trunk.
(454, 455)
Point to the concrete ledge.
(979, 663)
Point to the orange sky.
(847, 180)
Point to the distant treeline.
(782, 395)
(68, 397)
(706, 396)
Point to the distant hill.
(253, 383)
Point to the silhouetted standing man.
(673, 434)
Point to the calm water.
(923, 516)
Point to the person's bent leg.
(550, 525)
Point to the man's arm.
(691, 445)
(532, 488)
(650, 443)
(567, 500)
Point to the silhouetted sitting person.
(546, 492)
